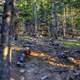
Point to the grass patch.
(72, 43)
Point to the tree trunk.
(73, 24)
(5, 38)
(14, 17)
(36, 18)
(54, 25)
(64, 22)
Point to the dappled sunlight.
(51, 59)
(43, 55)
(72, 43)
(60, 65)
(5, 52)
(75, 61)
(39, 39)
(33, 53)
(10, 55)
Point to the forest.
(39, 39)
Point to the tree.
(54, 23)
(54, 13)
(5, 38)
(36, 17)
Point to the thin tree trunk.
(36, 19)
(54, 27)
(73, 24)
(64, 22)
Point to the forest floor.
(37, 69)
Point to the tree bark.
(5, 39)
(36, 19)
(64, 22)
(74, 31)
(54, 24)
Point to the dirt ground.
(36, 69)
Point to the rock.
(22, 78)
(22, 70)
(44, 77)
(31, 70)
(20, 64)
(12, 78)
(57, 77)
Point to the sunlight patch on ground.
(51, 60)
(72, 43)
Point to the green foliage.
(27, 10)
(78, 23)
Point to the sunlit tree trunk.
(64, 22)
(73, 23)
